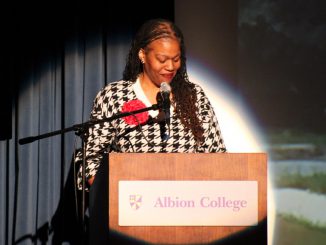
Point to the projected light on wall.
(240, 131)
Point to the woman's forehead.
(166, 44)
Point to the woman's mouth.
(168, 77)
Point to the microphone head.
(165, 90)
(165, 87)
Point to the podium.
(185, 167)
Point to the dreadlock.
(184, 92)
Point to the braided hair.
(184, 92)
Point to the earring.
(142, 61)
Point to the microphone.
(165, 90)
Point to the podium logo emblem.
(135, 201)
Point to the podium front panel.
(185, 167)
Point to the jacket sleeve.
(213, 140)
(100, 136)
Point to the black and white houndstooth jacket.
(118, 136)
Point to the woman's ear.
(141, 55)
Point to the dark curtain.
(56, 58)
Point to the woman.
(157, 55)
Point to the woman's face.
(161, 59)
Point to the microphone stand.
(82, 131)
(80, 127)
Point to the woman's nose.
(170, 65)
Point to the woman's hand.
(91, 180)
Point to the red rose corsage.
(135, 119)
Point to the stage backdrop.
(61, 56)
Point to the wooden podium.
(185, 166)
